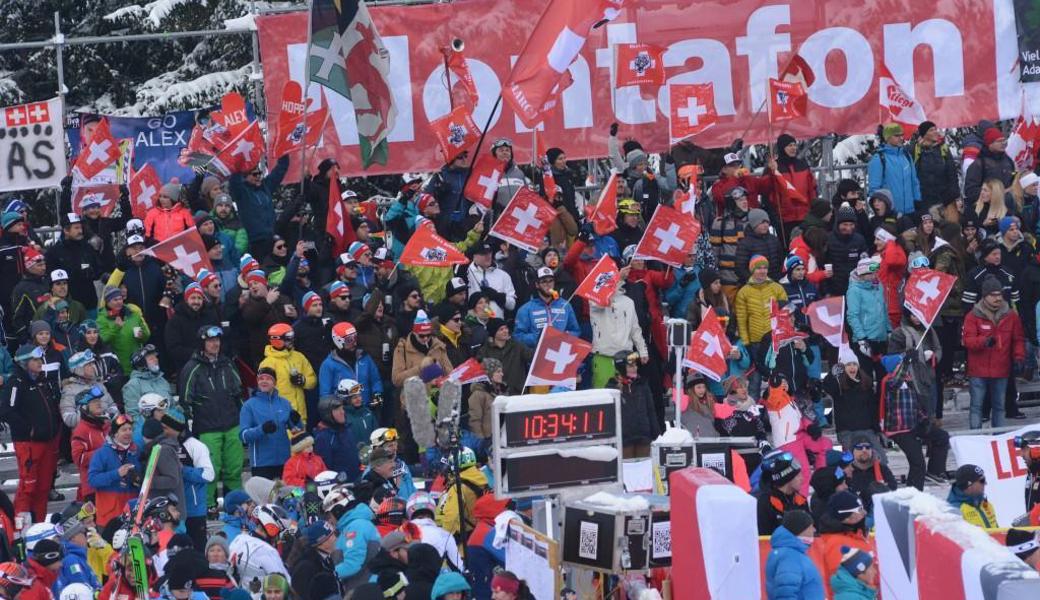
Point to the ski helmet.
(420, 501)
(342, 334)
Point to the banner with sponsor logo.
(1004, 468)
(32, 147)
(956, 58)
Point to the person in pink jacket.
(169, 217)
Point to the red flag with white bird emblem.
(601, 282)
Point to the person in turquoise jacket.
(262, 423)
(790, 573)
(866, 310)
(892, 168)
(856, 578)
(684, 290)
(449, 582)
(6, 365)
(400, 219)
(356, 532)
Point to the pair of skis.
(135, 542)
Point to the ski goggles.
(121, 420)
(87, 511)
(390, 435)
(212, 332)
(96, 392)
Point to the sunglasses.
(414, 295)
(863, 447)
(456, 319)
(279, 246)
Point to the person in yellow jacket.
(294, 372)
(753, 300)
(968, 495)
(474, 484)
(433, 280)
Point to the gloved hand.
(269, 427)
(864, 347)
(928, 354)
(613, 129)
(377, 400)
(296, 379)
(814, 431)
(687, 279)
(764, 447)
(1019, 367)
(585, 233)
(991, 341)
(295, 418)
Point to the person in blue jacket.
(400, 216)
(347, 361)
(866, 310)
(237, 506)
(74, 565)
(545, 307)
(790, 573)
(253, 195)
(685, 288)
(334, 441)
(357, 534)
(111, 471)
(262, 423)
(6, 365)
(449, 582)
(892, 168)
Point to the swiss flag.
(783, 328)
(670, 236)
(556, 41)
(101, 151)
(789, 196)
(557, 358)
(144, 190)
(787, 100)
(465, 91)
(709, 348)
(638, 64)
(525, 220)
(601, 282)
(925, 293)
(604, 213)
(895, 104)
(184, 251)
(427, 249)
(484, 178)
(337, 222)
(244, 152)
(1023, 142)
(691, 109)
(827, 319)
(549, 187)
(105, 194)
(468, 372)
(296, 129)
(456, 132)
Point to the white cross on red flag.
(925, 293)
(827, 319)
(144, 190)
(691, 109)
(784, 331)
(601, 282)
(638, 64)
(557, 358)
(484, 179)
(184, 252)
(244, 152)
(101, 151)
(670, 237)
(104, 194)
(525, 220)
(604, 213)
(709, 348)
(549, 187)
(456, 131)
(337, 222)
(427, 249)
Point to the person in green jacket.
(122, 326)
(226, 217)
(856, 578)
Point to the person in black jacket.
(992, 163)
(78, 258)
(990, 257)
(758, 240)
(629, 224)
(869, 475)
(188, 318)
(29, 405)
(312, 335)
(564, 178)
(446, 186)
(936, 168)
(639, 422)
(311, 556)
(28, 293)
(845, 246)
(855, 403)
(424, 564)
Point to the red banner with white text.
(947, 53)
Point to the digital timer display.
(528, 428)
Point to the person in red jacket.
(14, 579)
(892, 271)
(87, 437)
(44, 564)
(304, 464)
(995, 343)
(731, 176)
(796, 171)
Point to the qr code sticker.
(588, 540)
(662, 540)
(716, 462)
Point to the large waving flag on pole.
(347, 56)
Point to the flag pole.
(480, 142)
(306, 87)
(754, 117)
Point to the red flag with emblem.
(456, 132)
(525, 220)
(925, 293)
(638, 64)
(691, 109)
(465, 90)
(603, 214)
(670, 237)
(471, 371)
(484, 179)
(827, 318)
(709, 348)
(144, 190)
(1023, 142)
(427, 249)
(184, 252)
(101, 151)
(244, 152)
(601, 282)
(104, 194)
(895, 104)
(787, 100)
(784, 331)
(557, 358)
(296, 128)
(337, 222)
(554, 43)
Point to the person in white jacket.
(84, 377)
(252, 555)
(485, 278)
(615, 328)
(421, 510)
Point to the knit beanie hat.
(925, 127)
(422, 324)
(1007, 222)
(193, 288)
(301, 441)
(112, 292)
(552, 154)
(173, 190)
(990, 285)
(247, 263)
(309, 299)
(992, 135)
(797, 521)
(151, 429)
(855, 561)
(708, 277)
(844, 504)
(793, 261)
(867, 265)
(1023, 543)
(47, 552)
(820, 208)
(9, 218)
(758, 261)
(38, 326)
(782, 468)
(757, 216)
(890, 129)
(845, 214)
(635, 157)
(848, 185)
(218, 540)
(491, 365)
(494, 324)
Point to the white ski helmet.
(324, 482)
(382, 435)
(347, 389)
(340, 496)
(272, 520)
(77, 591)
(37, 532)
(152, 401)
(420, 501)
